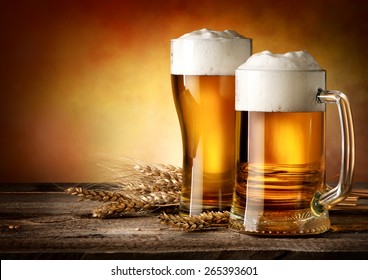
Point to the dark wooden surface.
(40, 221)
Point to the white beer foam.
(266, 60)
(209, 52)
(288, 82)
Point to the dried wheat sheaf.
(143, 188)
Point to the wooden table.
(41, 221)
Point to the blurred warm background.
(80, 80)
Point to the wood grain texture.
(41, 223)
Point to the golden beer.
(205, 107)
(281, 163)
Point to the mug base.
(287, 223)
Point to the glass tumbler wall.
(203, 67)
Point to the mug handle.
(324, 201)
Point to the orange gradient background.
(82, 79)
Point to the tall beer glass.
(203, 65)
(280, 185)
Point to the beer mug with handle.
(281, 114)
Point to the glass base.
(296, 222)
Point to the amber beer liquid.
(203, 65)
(281, 163)
(205, 105)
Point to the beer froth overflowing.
(209, 52)
(266, 60)
(287, 82)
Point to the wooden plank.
(54, 225)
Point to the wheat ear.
(121, 203)
(202, 221)
(159, 198)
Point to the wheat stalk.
(95, 195)
(202, 221)
(166, 176)
(142, 188)
(159, 198)
(145, 178)
(120, 208)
